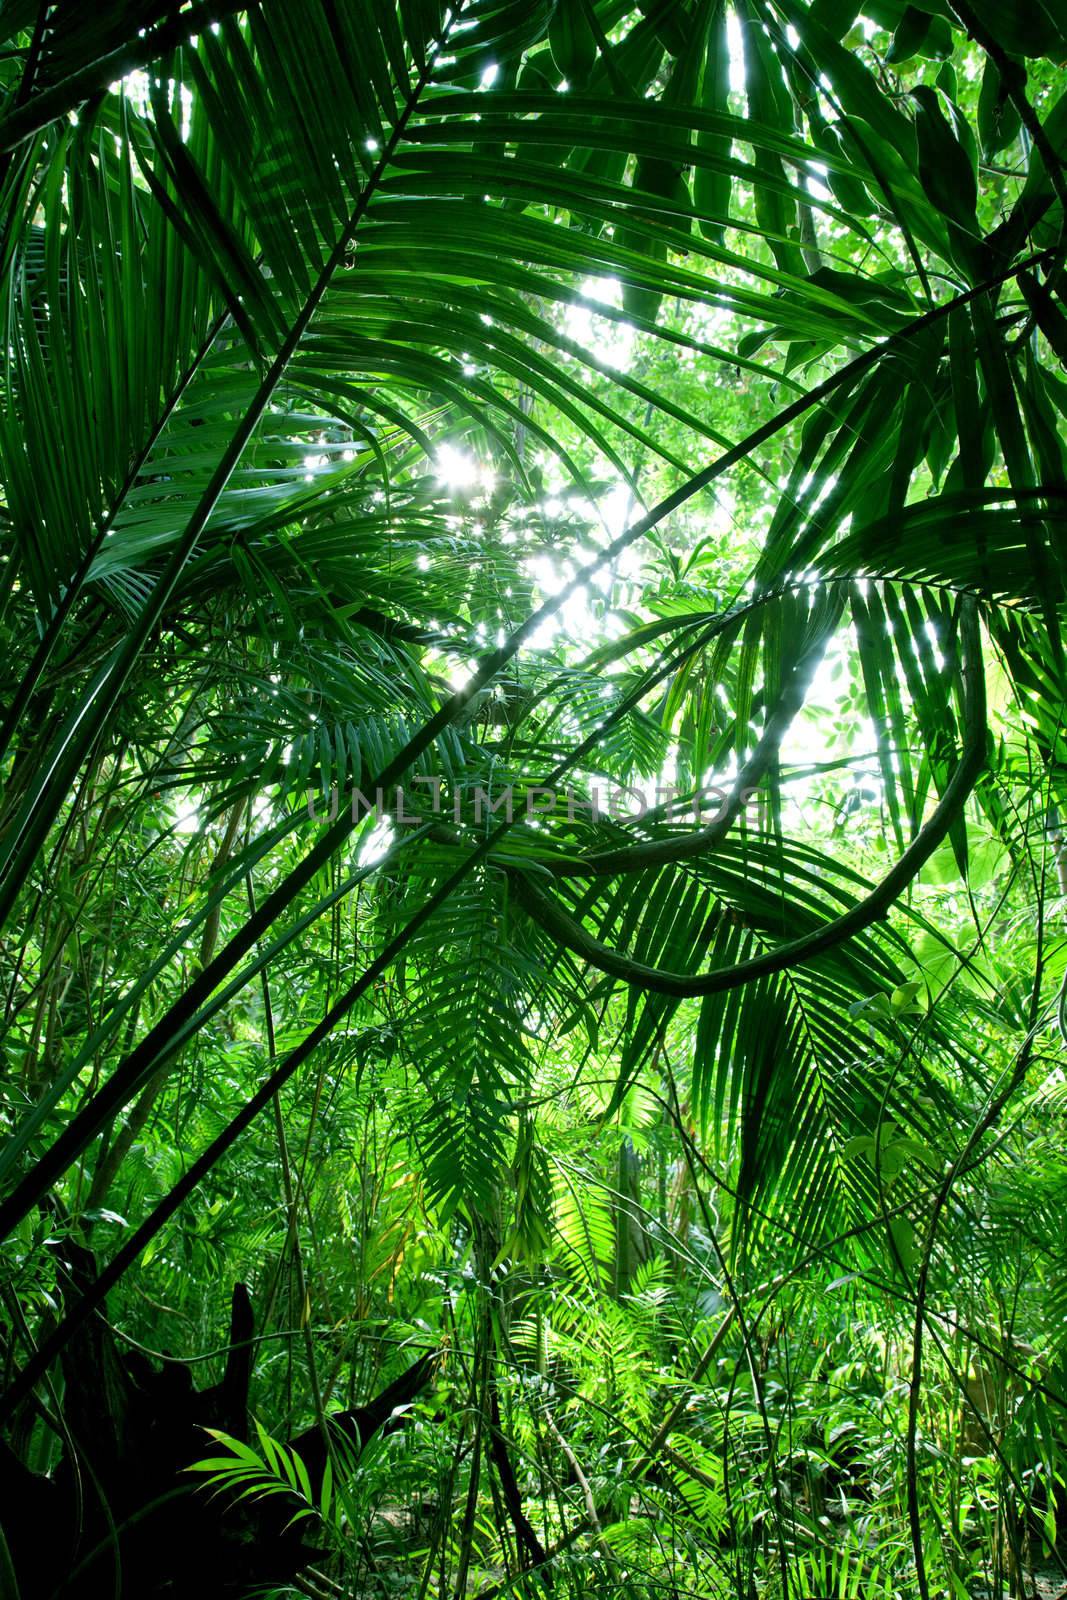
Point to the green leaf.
(919, 33)
(946, 171)
(573, 43)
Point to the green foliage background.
(576, 396)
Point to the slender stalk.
(997, 1103)
(293, 1235)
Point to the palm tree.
(359, 360)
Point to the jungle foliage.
(634, 429)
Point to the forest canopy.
(533, 982)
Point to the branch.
(525, 1535)
(660, 852)
(566, 931)
(1013, 76)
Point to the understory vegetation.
(533, 897)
